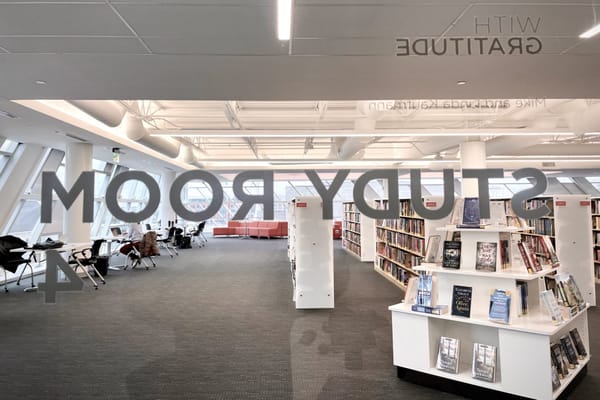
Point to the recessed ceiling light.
(460, 83)
(40, 82)
(284, 19)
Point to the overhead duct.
(346, 148)
(586, 121)
(110, 113)
(192, 155)
(135, 130)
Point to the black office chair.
(198, 234)
(87, 259)
(166, 243)
(10, 261)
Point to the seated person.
(135, 235)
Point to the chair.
(87, 258)
(198, 234)
(10, 261)
(166, 242)
(148, 247)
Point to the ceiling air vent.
(548, 164)
(75, 137)
(6, 114)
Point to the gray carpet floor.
(214, 323)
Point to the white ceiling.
(216, 68)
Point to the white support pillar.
(472, 156)
(166, 212)
(77, 160)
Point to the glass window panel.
(9, 146)
(27, 217)
(98, 165)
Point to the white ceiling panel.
(60, 19)
(209, 21)
(338, 47)
(71, 45)
(216, 46)
(554, 20)
(380, 21)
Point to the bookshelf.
(358, 233)
(567, 226)
(400, 243)
(312, 253)
(595, 211)
(523, 359)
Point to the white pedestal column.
(166, 212)
(472, 156)
(77, 160)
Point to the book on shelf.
(579, 346)
(410, 296)
(559, 359)
(521, 297)
(425, 290)
(535, 262)
(448, 354)
(497, 214)
(531, 264)
(570, 351)
(457, 212)
(486, 256)
(500, 306)
(461, 300)
(451, 255)
(484, 362)
(432, 249)
(569, 293)
(555, 377)
(549, 251)
(470, 216)
(505, 251)
(548, 299)
(436, 310)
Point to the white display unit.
(358, 233)
(568, 226)
(595, 202)
(313, 250)
(523, 364)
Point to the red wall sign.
(301, 205)
(584, 203)
(560, 203)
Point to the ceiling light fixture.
(461, 83)
(590, 32)
(284, 19)
(40, 82)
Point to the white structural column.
(472, 156)
(166, 212)
(77, 160)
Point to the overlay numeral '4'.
(52, 285)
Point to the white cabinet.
(313, 249)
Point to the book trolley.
(523, 356)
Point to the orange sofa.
(257, 229)
(337, 230)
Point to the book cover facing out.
(578, 343)
(486, 256)
(500, 306)
(424, 290)
(484, 362)
(448, 354)
(471, 212)
(451, 256)
(461, 301)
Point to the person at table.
(134, 234)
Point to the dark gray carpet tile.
(213, 323)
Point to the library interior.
(299, 199)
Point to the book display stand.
(311, 254)
(358, 233)
(523, 365)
